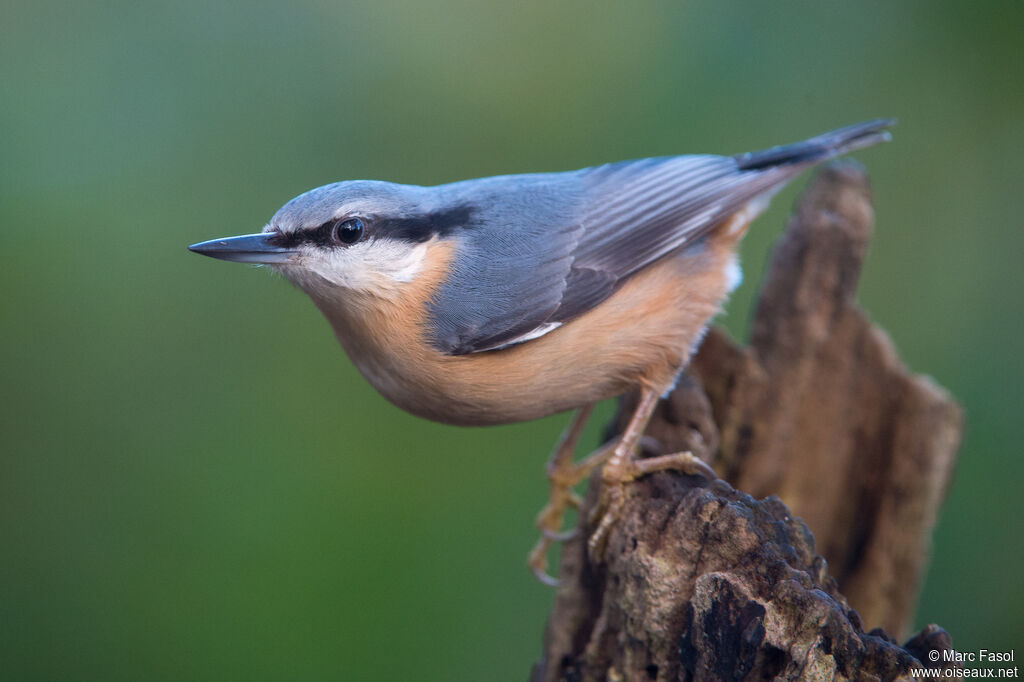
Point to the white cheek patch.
(374, 266)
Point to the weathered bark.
(701, 581)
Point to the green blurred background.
(194, 482)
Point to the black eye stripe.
(323, 235)
(420, 228)
(412, 228)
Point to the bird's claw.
(605, 514)
(544, 578)
(563, 475)
(560, 535)
(614, 478)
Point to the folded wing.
(551, 247)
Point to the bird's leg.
(563, 475)
(624, 466)
(617, 472)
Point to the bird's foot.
(563, 476)
(620, 471)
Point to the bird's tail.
(820, 148)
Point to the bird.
(510, 298)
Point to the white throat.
(378, 267)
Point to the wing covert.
(546, 248)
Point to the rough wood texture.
(703, 582)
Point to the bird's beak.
(248, 248)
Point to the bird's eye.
(348, 231)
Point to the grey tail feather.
(826, 146)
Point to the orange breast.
(642, 334)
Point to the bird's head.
(358, 236)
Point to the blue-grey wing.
(512, 262)
(640, 211)
(547, 248)
(544, 249)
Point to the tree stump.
(701, 581)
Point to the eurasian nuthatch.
(510, 298)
